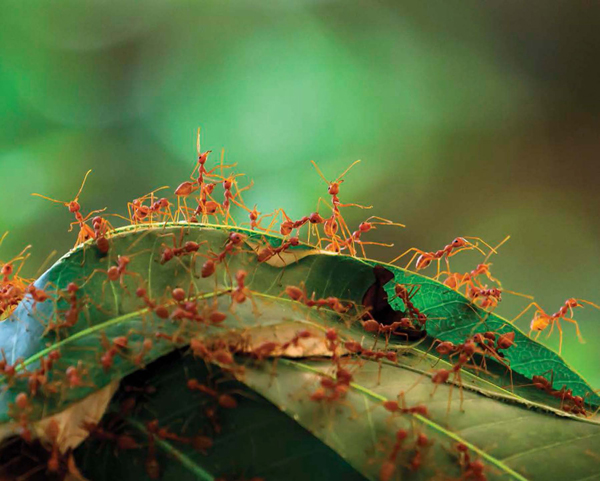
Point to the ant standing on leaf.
(364, 227)
(12, 286)
(140, 212)
(425, 258)
(470, 279)
(85, 231)
(541, 319)
(336, 220)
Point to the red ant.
(568, 402)
(298, 294)
(161, 311)
(487, 297)
(388, 468)
(71, 315)
(470, 279)
(38, 296)
(226, 401)
(471, 469)
(396, 407)
(116, 273)
(190, 247)
(363, 228)
(112, 349)
(140, 212)
(270, 251)
(85, 231)
(201, 443)
(406, 297)
(123, 442)
(256, 218)
(75, 376)
(541, 319)
(425, 258)
(235, 240)
(331, 225)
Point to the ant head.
(462, 448)
(124, 260)
(573, 303)
(315, 218)
(236, 237)
(227, 184)
(72, 288)
(365, 226)
(203, 157)
(74, 207)
(294, 241)
(7, 270)
(459, 242)
(240, 275)
(334, 188)
(164, 203)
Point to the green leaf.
(515, 440)
(254, 439)
(114, 311)
(452, 317)
(109, 310)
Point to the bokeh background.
(471, 118)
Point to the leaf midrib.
(433, 425)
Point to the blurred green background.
(471, 118)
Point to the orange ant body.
(226, 401)
(487, 297)
(297, 294)
(541, 319)
(140, 212)
(101, 227)
(364, 227)
(424, 258)
(406, 296)
(270, 251)
(336, 220)
(568, 402)
(12, 286)
(470, 279)
(85, 231)
(75, 375)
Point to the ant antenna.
(319, 171)
(383, 221)
(494, 250)
(82, 184)
(484, 243)
(198, 141)
(60, 201)
(339, 179)
(589, 303)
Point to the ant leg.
(412, 249)
(533, 304)
(579, 336)
(560, 336)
